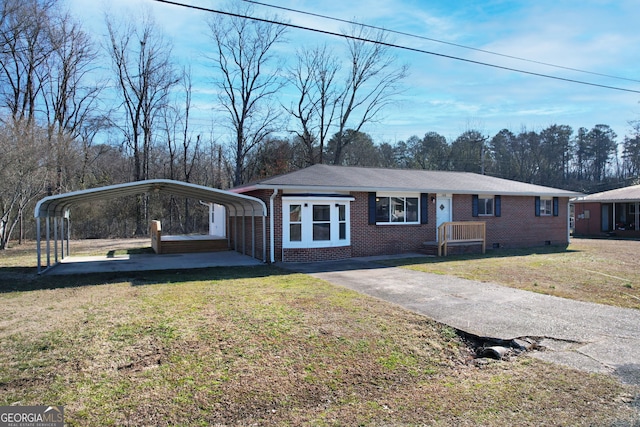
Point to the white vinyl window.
(315, 222)
(485, 206)
(397, 209)
(546, 206)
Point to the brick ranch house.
(332, 212)
(610, 213)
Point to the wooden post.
(156, 236)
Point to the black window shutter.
(556, 206)
(498, 205)
(372, 208)
(537, 205)
(474, 205)
(424, 208)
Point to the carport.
(55, 212)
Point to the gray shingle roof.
(626, 194)
(322, 178)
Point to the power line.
(392, 45)
(346, 21)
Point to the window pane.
(322, 231)
(295, 232)
(489, 209)
(485, 206)
(382, 209)
(342, 210)
(321, 213)
(343, 231)
(412, 209)
(397, 209)
(295, 213)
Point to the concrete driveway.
(586, 336)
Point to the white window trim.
(307, 204)
(493, 202)
(543, 201)
(405, 196)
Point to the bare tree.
(182, 146)
(26, 45)
(248, 80)
(314, 76)
(144, 76)
(22, 173)
(371, 85)
(70, 96)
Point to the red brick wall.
(517, 226)
(588, 226)
(368, 240)
(264, 195)
(316, 254)
(249, 235)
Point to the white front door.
(217, 220)
(443, 209)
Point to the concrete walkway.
(585, 336)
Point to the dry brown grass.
(263, 346)
(600, 271)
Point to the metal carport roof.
(58, 206)
(53, 206)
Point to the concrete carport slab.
(55, 210)
(150, 262)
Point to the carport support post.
(253, 234)
(68, 234)
(228, 229)
(62, 236)
(235, 231)
(38, 250)
(55, 239)
(48, 230)
(264, 238)
(62, 239)
(244, 238)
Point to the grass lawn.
(263, 346)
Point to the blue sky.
(445, 95)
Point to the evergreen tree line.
(589, 160)
(67, 123)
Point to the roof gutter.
(334, 189)
(272, 244)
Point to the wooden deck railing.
(461, 232)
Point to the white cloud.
(442, 94)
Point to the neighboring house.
(614, 212)
(332, 212)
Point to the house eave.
(581, 200)
(430, 190)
